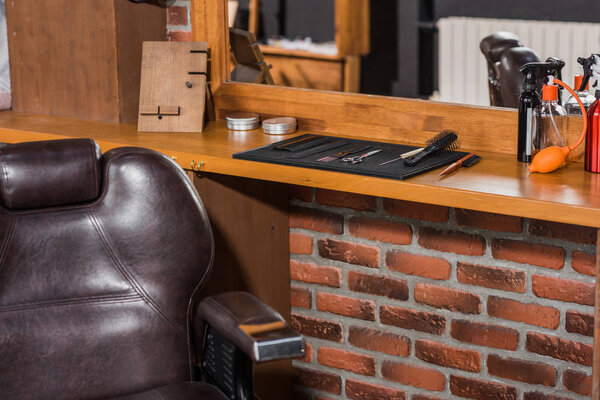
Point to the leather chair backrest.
(99, 257)
(505, 55)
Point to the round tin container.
(280, 126)
(242, 121)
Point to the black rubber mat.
(327, 146)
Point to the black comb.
(445, 141)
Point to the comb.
(445, 141)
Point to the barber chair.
(102, 263)
(505, 55)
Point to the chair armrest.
(251, 326)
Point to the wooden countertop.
(497, 184)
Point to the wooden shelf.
(278, 51)
(497, 184)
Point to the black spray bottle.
(535, 74)
(528, 101)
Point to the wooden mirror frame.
(379, 117)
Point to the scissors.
(359, 159)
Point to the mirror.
(428, 49)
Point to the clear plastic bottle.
(587, 99)
(550, 120)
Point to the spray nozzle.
(591, 68)
(551, 68)
(542, 72)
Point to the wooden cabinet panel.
(79, 58)
(306, 73)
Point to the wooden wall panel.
(53, 46)
(135, 24)
(79, 58)
(250, 223)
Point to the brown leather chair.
(505, 55)
(102, 261)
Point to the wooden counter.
(497, 184)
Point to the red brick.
(421, 211)
(300, 297)
(380, 341)
(446, 356)
(316, 220)
(346, 200)
(324, 381)
(347, 306)
(562, 349)
(483, 220)
(177, 15)
(542, 396)
(523, 371)
(491, 277)
(563, 289)
(557, 230)
(413, 319)
(179, 36)
(452, 242)
(423, 397)
(346, 360)
(301, 244)
(577, 382)
(413, 376)
(580, 323)
(480, 334)
(532, 313)
(481, 390)
(311, 273)
(541, 255)
(356, 390)
(378, 285)
(448, 299)
(352, 253)
(317, 327)
(415, 264)
(302, 193)
(308, 353)
(584, 263)
(380, 230)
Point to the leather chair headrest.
(49, 173)
(493, 45)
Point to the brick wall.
(179, 27)
(400, 300)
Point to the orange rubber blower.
(552, 158)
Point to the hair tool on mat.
(445, 141)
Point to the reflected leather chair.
(505, 55)
(102, 262)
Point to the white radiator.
(462, 66)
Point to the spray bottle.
(591, 68)
(530, 99)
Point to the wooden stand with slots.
(337, 72)
(250, 62)
(173, 87)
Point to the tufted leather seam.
(8, 240)
(69, 302)
(132, 281)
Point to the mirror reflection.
(459, 51)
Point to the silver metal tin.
(243, 121)
(280, 126)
